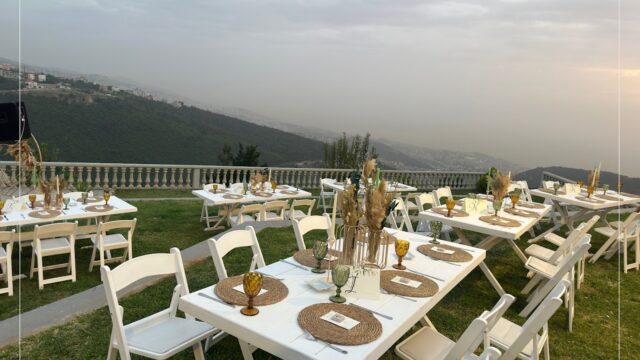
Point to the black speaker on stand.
(14, 125)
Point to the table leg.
(223, 220)
(485, 269)
(334, 211)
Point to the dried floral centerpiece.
(363, 240)
(499, 189)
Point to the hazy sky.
(533, 82)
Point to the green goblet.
(436, 229)
(340, 276)
(320, 249)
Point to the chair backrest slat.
(313, 222)
(233, 240)
(142, 267)
(425, 199)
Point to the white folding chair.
(400, 211)
(103, 242)
(50, 240)
(313, 222)
(294, 211)
(410, 203)
(620, 237)
(162, 334)
(564, 245)
(247, 213)
(273, 211)
(427, 343)
(547, 276)
(221, 247)
(443, 192)
(326, 196)
(528, 341)
(7, 237)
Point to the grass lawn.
(175, 223)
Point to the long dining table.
(276, 330)
(494, 234)
(217, 198)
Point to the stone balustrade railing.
(185, 177)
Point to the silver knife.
(216, 300)
(427, 275)
(296, 265)
(372, 311)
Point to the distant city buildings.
(42, 77)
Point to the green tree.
(340, 154)
(247, 156)
(226, 157)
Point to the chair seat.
(297, 214)
(605, 230)
(111, 239)
(541, 267)
(556, 240)
(270, 216)
(425, 343)
(165, 336)
(56, 244)
(540, 252)
(241, 219)
(504, 333)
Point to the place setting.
(319, 258)
(250, 290)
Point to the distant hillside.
(88, 125)
(533, 177)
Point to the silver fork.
(330, 345)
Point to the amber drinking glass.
(32, 200)
(402, 247)
(106, 196)
(214, 187)
(340, 276)
(1, 205)
(320, 250)
(273, 185)
(450, 205)
(590, 191)
(514, 200)
(252, 284)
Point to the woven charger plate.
(44, 214)
(276, 291)
(282, 187)
(553, 192)
(41, 204)
(427, 289)
(289, 192)
(500, 221)
(91, 199)
(263, 194)
(368, 330)
(591, 200)
(520, 212)
(530, 205)
(232, 196)
(608, 197)
(458, 256)
(305, 257)
(99, 208)
(454, 212)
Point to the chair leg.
(33, 261)
(40, 272)
(425, 321)
(93, 257)
(113, 352)
(198, 354)
(531, 284)
(547, 355)
(72, 261)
